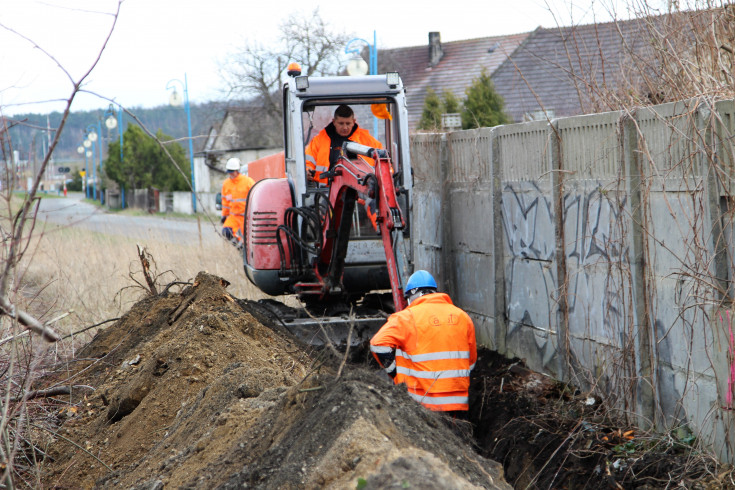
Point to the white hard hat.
(233, 164)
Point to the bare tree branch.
(16, 249)
(256, 71)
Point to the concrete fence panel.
(469, 226)
(428, 202)
(524, 155)
(595, 256)
(679, 259)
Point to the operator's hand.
(223, 219)
(227, 232)
(311, 173)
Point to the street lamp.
(92, 138)
(110, 121)
(110, 124)
(175, 99)
(357, 66)
(360, 68)
(81, 149)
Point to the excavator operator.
(430, 347)
(235, 191)
(324, 149)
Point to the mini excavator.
(317, 241)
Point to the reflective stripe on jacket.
(320, 148)
(435, 350)
(234, 198)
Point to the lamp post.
(176, 100)
(120, 130)
(110, 124)
(357, 66)
(88, 154)
(81, 149)
(85, 145)
(92, 137)
(360, 67)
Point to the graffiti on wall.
(528, 227)
(596, 258)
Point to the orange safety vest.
(435, 351)
(320, 147)
(234, 198)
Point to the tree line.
(28, 134)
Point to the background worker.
(324, 149)
(430, 347)
(235, 191)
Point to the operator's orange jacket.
(327, 142)
(234, 197)
(435, 350)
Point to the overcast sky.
(155, 41)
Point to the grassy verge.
(71, 279)
(93, 277)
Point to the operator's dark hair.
(343, 111)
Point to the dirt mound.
(192, 391)
(202, 390)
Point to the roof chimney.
(435, 49)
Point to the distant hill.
(29, 135)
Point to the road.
(72, 211)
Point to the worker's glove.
(223, 219)
(227, 232)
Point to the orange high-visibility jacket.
(321, 146)
(435, 351)
(234, 197)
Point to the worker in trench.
(235, 190)
(324, 149)
(430, 347)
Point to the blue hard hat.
(418, 280)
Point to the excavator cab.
(316, 239)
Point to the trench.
(544, 432)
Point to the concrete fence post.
(501, 326)
(557, 198)
(709, 161)
(643, 328)
(446, 221)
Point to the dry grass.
(70, 279)
(92, 276)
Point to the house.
(243, 133)
(567, 71)
(448, 66)
(562, 71)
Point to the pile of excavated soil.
(192, 391)
(202, 390)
